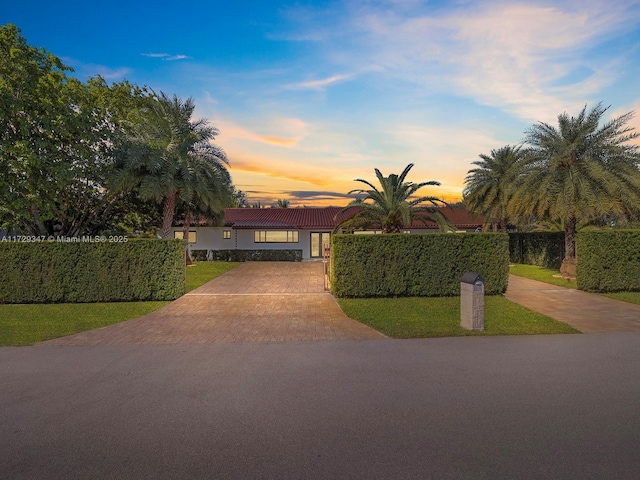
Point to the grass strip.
(201, 272)
(28, 324)
(427, 317)
(630, 297)
(542, 274)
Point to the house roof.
(328, 218)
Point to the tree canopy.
(488, 188)
(579, 170)
(393, 207)
(172, 161)
(66, 147)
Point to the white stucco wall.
(211, 238)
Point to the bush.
(545, 249)
(608, 261)
(79, 272)
(428, 265)
(247, 255)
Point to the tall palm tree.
(579, 171)
(210, 202)
(171, 159)
(391, 207)
(488, 188)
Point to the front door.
(319, 241)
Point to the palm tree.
(171, 159)
(488, 187)
(391, 208)
(208, 203)
(579, 171)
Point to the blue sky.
(310, 95)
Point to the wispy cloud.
(516, 56)
(165, 56)
(92, 69)
(292, 131)
(319, 84)
(279, 169)
(318, 195)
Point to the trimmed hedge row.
(417, 265)
(545, 249)
(608, 261)
(83, 272)
(247, 255)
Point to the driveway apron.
(255, 302)
(587, 312)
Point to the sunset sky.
(309, 95)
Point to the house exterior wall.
(212, 238)
(246, 241)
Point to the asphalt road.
(539, 407)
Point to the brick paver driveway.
(255, 302)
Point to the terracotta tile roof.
(324, 218)
(458, 217)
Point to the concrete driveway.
(255, 302)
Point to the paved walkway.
(587, 312)
(255, 302)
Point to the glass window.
(226, 234)
(275, 236)
(180, 236)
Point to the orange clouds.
(281, 142)
(287, 170)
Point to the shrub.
(416, 265)
(247, 255)
(79, 272)
(608, 261)
(545, 249)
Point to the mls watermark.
(65, 239)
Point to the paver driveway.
(255, 302)
(588, 312)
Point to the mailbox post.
(472, 301)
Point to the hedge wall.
(247, 255)
(545, 249)
(416, 265)
(608, 261)
(79, 272)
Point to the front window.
(276, 236)
(180, 236)
(226, 234)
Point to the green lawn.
(201, 272)
(631, 297)
(421, 317)
(542, 274)
(29, 324)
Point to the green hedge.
(247, 255)
(545, 249)
(428, 265)
(608, 261)
(80, 272)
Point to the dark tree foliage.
(58, 142)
